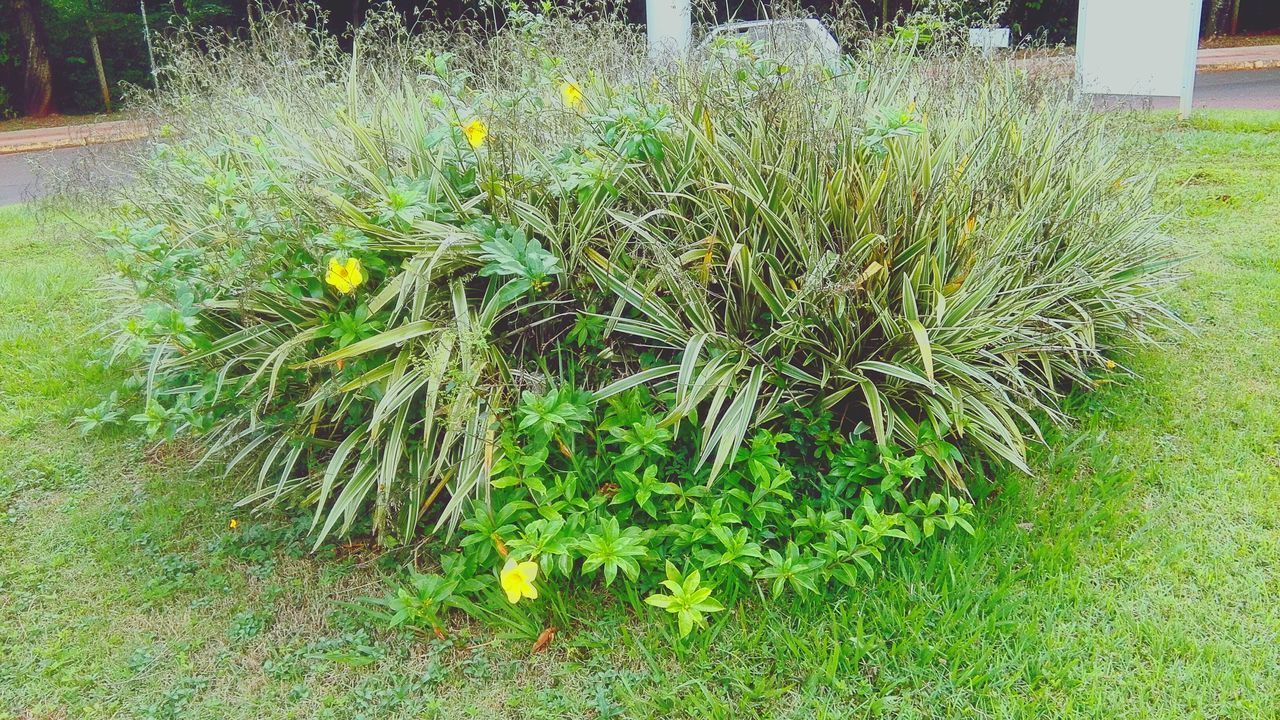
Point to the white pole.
(669, 28)
(1189, 68)
(146, 32)
(1081, 26)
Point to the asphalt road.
(24, 176)
(32, 175)
(1234, 90)
(1239, 90)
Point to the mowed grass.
(1136, 575)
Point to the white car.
(808, 37)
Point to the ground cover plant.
(1134, 570)
(550, 315)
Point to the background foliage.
(119, 27)
(118, 24)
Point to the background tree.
(97, 58)
(37, 80)
(69, 74)
(1224, 17)
(1210, 15)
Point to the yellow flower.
(517, 580)
(234, 523)
(344, 277)
(571, 94)
(1110, 364)
(476, 132)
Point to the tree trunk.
(1212, 18)
(97, 61)
(1235, 17)
(37, 80)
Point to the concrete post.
(1189, 64)
(669, 28)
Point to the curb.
(73, 136)
(1228, 67)
(60, 145)
(1063, 66)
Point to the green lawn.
(1136, 575)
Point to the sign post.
(1139, 47)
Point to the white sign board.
(987, 38)
(1138, 47)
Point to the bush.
(751, 316)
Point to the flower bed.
(571, 317)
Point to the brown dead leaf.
(564, 449)
(544, 639)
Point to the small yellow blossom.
(571, 94)
(476, 132)
(344, 277)
(517, 580)
(1110, 364)
(234, 523)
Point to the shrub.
(748, 315)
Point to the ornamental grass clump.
(537, 298)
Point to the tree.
(97, 58)
(37, 80)
(1221, 16)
